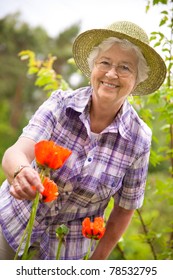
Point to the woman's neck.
(101, 116)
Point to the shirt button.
(79, 179)
(89, 159)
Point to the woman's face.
(114, 85)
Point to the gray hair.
(143, 68)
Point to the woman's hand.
(22, 152)
(21, 187)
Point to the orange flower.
(93, 230)
(50, 190)
(50, 155)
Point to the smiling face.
(113, 86)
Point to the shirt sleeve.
(44, 120)
(131, 194)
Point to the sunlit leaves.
(46, 77)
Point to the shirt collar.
(121, 122)
(81, 99)
(81, 104)
(124, 119)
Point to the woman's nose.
(112, 73)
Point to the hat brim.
(87, 40)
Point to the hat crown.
(130, 29)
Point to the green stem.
(59, 249)
(89, 250)
(30, 224)
(22, 239)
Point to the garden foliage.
(150, 235)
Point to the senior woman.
(110, 147)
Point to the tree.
(19, 96)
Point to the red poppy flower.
(50, 190)
(50, 155)
(93, 230)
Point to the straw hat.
(87, 40)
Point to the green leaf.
(157, 44)
(164, 12)
(32, 70)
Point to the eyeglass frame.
(110, 66)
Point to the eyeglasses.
(122, 70)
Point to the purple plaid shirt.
(113, 163)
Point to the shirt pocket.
(90, 198)
(85, 195)
(107, 187)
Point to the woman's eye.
(124, 67)
(104, 63)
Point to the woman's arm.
(21, 153)
(116, 225)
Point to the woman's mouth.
(110, 85)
